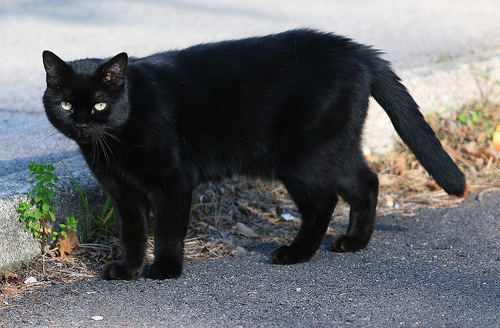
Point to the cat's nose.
(81, 126)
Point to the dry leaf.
(482, 137)
(496, 139)
(65, 246)
(490, 152)
(6, 275)
(242, 229)
(432, 185)
(400, 165)
(471, 147)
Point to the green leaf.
(50, 194)
(38, 187)
(46, 207)
(51, 185)
(482, 72)
(463, 118)
(23, 207)
(37, 214)
(476, 117)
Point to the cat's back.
(303, 46)
(306, 40)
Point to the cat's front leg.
(131, 210)
(171, 212)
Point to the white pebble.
(30, 280)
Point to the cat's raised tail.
(411, 126)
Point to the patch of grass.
(98, 226)
(442, 57)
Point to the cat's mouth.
(83, 140)
(82, 137)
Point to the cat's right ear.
(54, 67)
(114, 71)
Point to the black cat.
(288, 106)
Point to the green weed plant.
(476, 116)
(38, 212)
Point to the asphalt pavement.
(438, 268)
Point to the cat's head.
(86, 99)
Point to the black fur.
(288, 106)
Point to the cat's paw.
(290, 255)
(161, 270)
(118, 271)
(346, 243)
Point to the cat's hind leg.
(316, 209)
(359, 187)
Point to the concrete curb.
(436, 88)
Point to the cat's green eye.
(66, 105)
(100, 106)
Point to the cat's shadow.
(265, 249)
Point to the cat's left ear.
(113, 71)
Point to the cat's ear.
(55, 67)
(113, 72)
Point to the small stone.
(288, 217)
(243, 230)
(30, 280)
(240, 251)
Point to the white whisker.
(105, 149)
